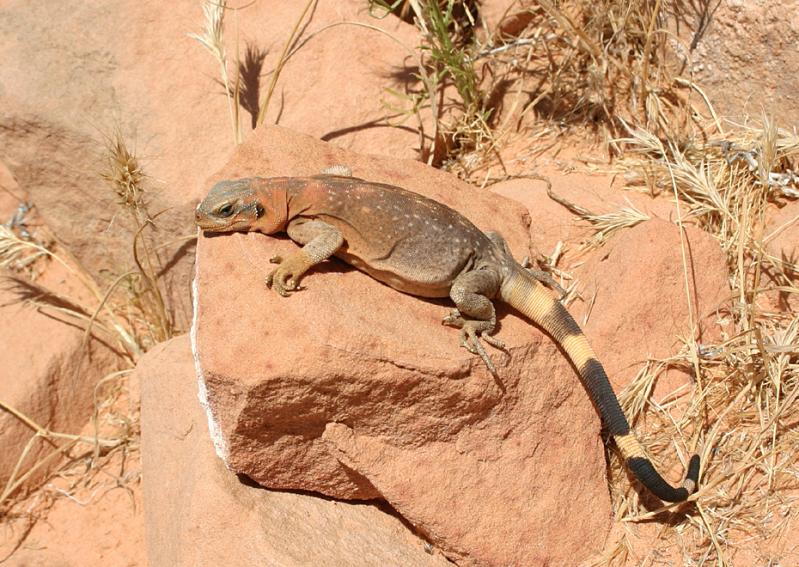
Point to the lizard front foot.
(286, 277)
(472, 331)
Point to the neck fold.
(276, 210)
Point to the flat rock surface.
(635, 304)
(551, 222)
(643, 299)
(199, 514)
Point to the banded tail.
(528, 296)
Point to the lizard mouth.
(219, 225)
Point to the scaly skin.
(423, 248)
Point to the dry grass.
(599, 61)
(244, 91)
(18, 253)
(132, 313)
(90, 463)
(282, 59)
(586, 65)
(445, 57)
(134, 322)
(604, 225)
(607, 64)
(212, 39)
(742, 414)
(151, 318)
(448, 55)
(62, 444)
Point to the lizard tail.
(527, 295)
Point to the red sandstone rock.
(199, 514)
(102, 525)
(551, 222)
(782, 241)
(506, 18)
(640, 306)
(354, 390)
(782, 232)
(635, 281)
(48, 374)
(749, 45)
(10, 193)
(746, 44)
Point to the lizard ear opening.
(259, 210)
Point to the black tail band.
(644, 471)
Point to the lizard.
(424, 248)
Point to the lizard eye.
(225, 211)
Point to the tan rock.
(551, 222)
(734, 42)
(781, 238)
(101, 525)
(635, 285)
(48, 375)
(782, 232)
(749, 45)
(10, 194)
(506, 18)
(200, 514)
(354, 390)
(634, 282)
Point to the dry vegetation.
(130, 314)
(742, 414)
(616, 68)
(608, 66)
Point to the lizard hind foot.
(543, 276)
(473, 332)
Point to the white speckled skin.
(400, 238)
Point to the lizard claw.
(282, 282)
(286, 277)
(471, 342)
(544, 277)
(472, 331)
(454, 319)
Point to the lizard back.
(401, 238)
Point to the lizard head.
(237, 205)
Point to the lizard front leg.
(475, 314)
(320, 241)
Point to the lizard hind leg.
(475, 315)
(542, 276)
